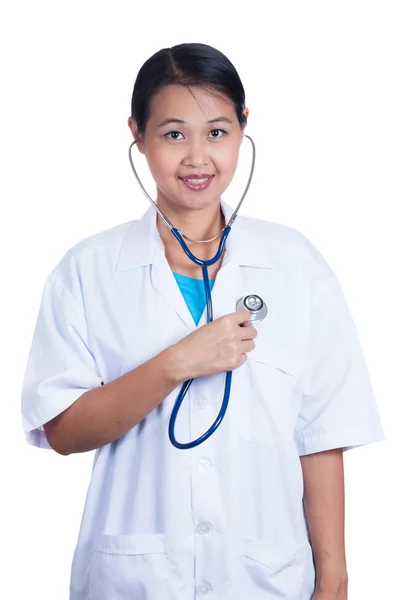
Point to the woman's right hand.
(216, 347)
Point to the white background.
(319, 86)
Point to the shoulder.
(287, 247)
(94, 255)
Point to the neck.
(197, 224)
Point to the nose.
(196, 154)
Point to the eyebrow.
(175, 120)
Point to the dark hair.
(197, 65)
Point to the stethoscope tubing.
(186, 385)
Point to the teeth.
(197, 180)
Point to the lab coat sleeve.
(338, 407)
(60, 365)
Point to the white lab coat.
(223, 520)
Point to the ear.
(246, 113)
(132, 123)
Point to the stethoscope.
(253, 303)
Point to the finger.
(247, 346)
(248, 333)
(246, 324)
(242, 317)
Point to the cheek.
(161, 164)
(227, 161)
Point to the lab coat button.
(200, 402)
(203, 527)
(204, 464)
(204, 588)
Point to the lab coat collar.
(243, 245)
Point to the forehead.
(192, 104)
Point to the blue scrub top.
(193, 292)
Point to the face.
(188, 138)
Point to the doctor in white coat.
(256, 511)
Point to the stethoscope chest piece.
(255, 305)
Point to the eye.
(171, 135)
(218, 131)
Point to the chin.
(199, 202)
(191, 200)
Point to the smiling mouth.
(197, 179)
(197, 184)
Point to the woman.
(256, 511)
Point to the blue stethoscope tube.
(204, 264)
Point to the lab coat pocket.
(270, 398)
(274, 353)
(129, 566)
(268, 573)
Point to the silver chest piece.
(255, 305)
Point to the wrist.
(177, 368)
(331, 578)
